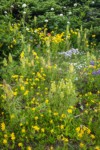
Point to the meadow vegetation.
(49, 76)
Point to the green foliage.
(84, 13)
(55, 15)
(49, 75)
(43, 93)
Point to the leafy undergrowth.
(50, 99)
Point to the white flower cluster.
(5, 12)
(70, 13)
(79, 65)
(75, 4)
(61, 15)
(64, 7)
(70, 52)
(12, 6)
(52, 9)
(46, 20)
(24, 12)
(68, 22)
(24, 5)
(92, 2)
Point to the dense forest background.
(75, 12)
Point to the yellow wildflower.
(80, 134)
(81, 145)
(3, 126)
(63, 116)
(88, 131)
(2, 113)
(92, 136)
(4, 141)
(20, 124)
(1, 85)
(51, 121)
(15, 93)
(26, 82)
(36, 118)
(34, 53)
(5, 135)
(71, 68)
(51, 148)
(29, 148)
(86, 111)
(39, 75)
(52, 130)
(42, 130)
(93, 35)
(14, 41)
(55, 114)
(36, 79)
(23, 130)
(22, 55)
(69, 111)
(26, 92)
(20, 144)
(12, 136)
(36, 128)
(22, 88)
(46, 101)
(12, 116)
(65, 139)
(97, 148)
(49, 111)
(11, 46)
(42, 115)
(62, 126)
(33, 108)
